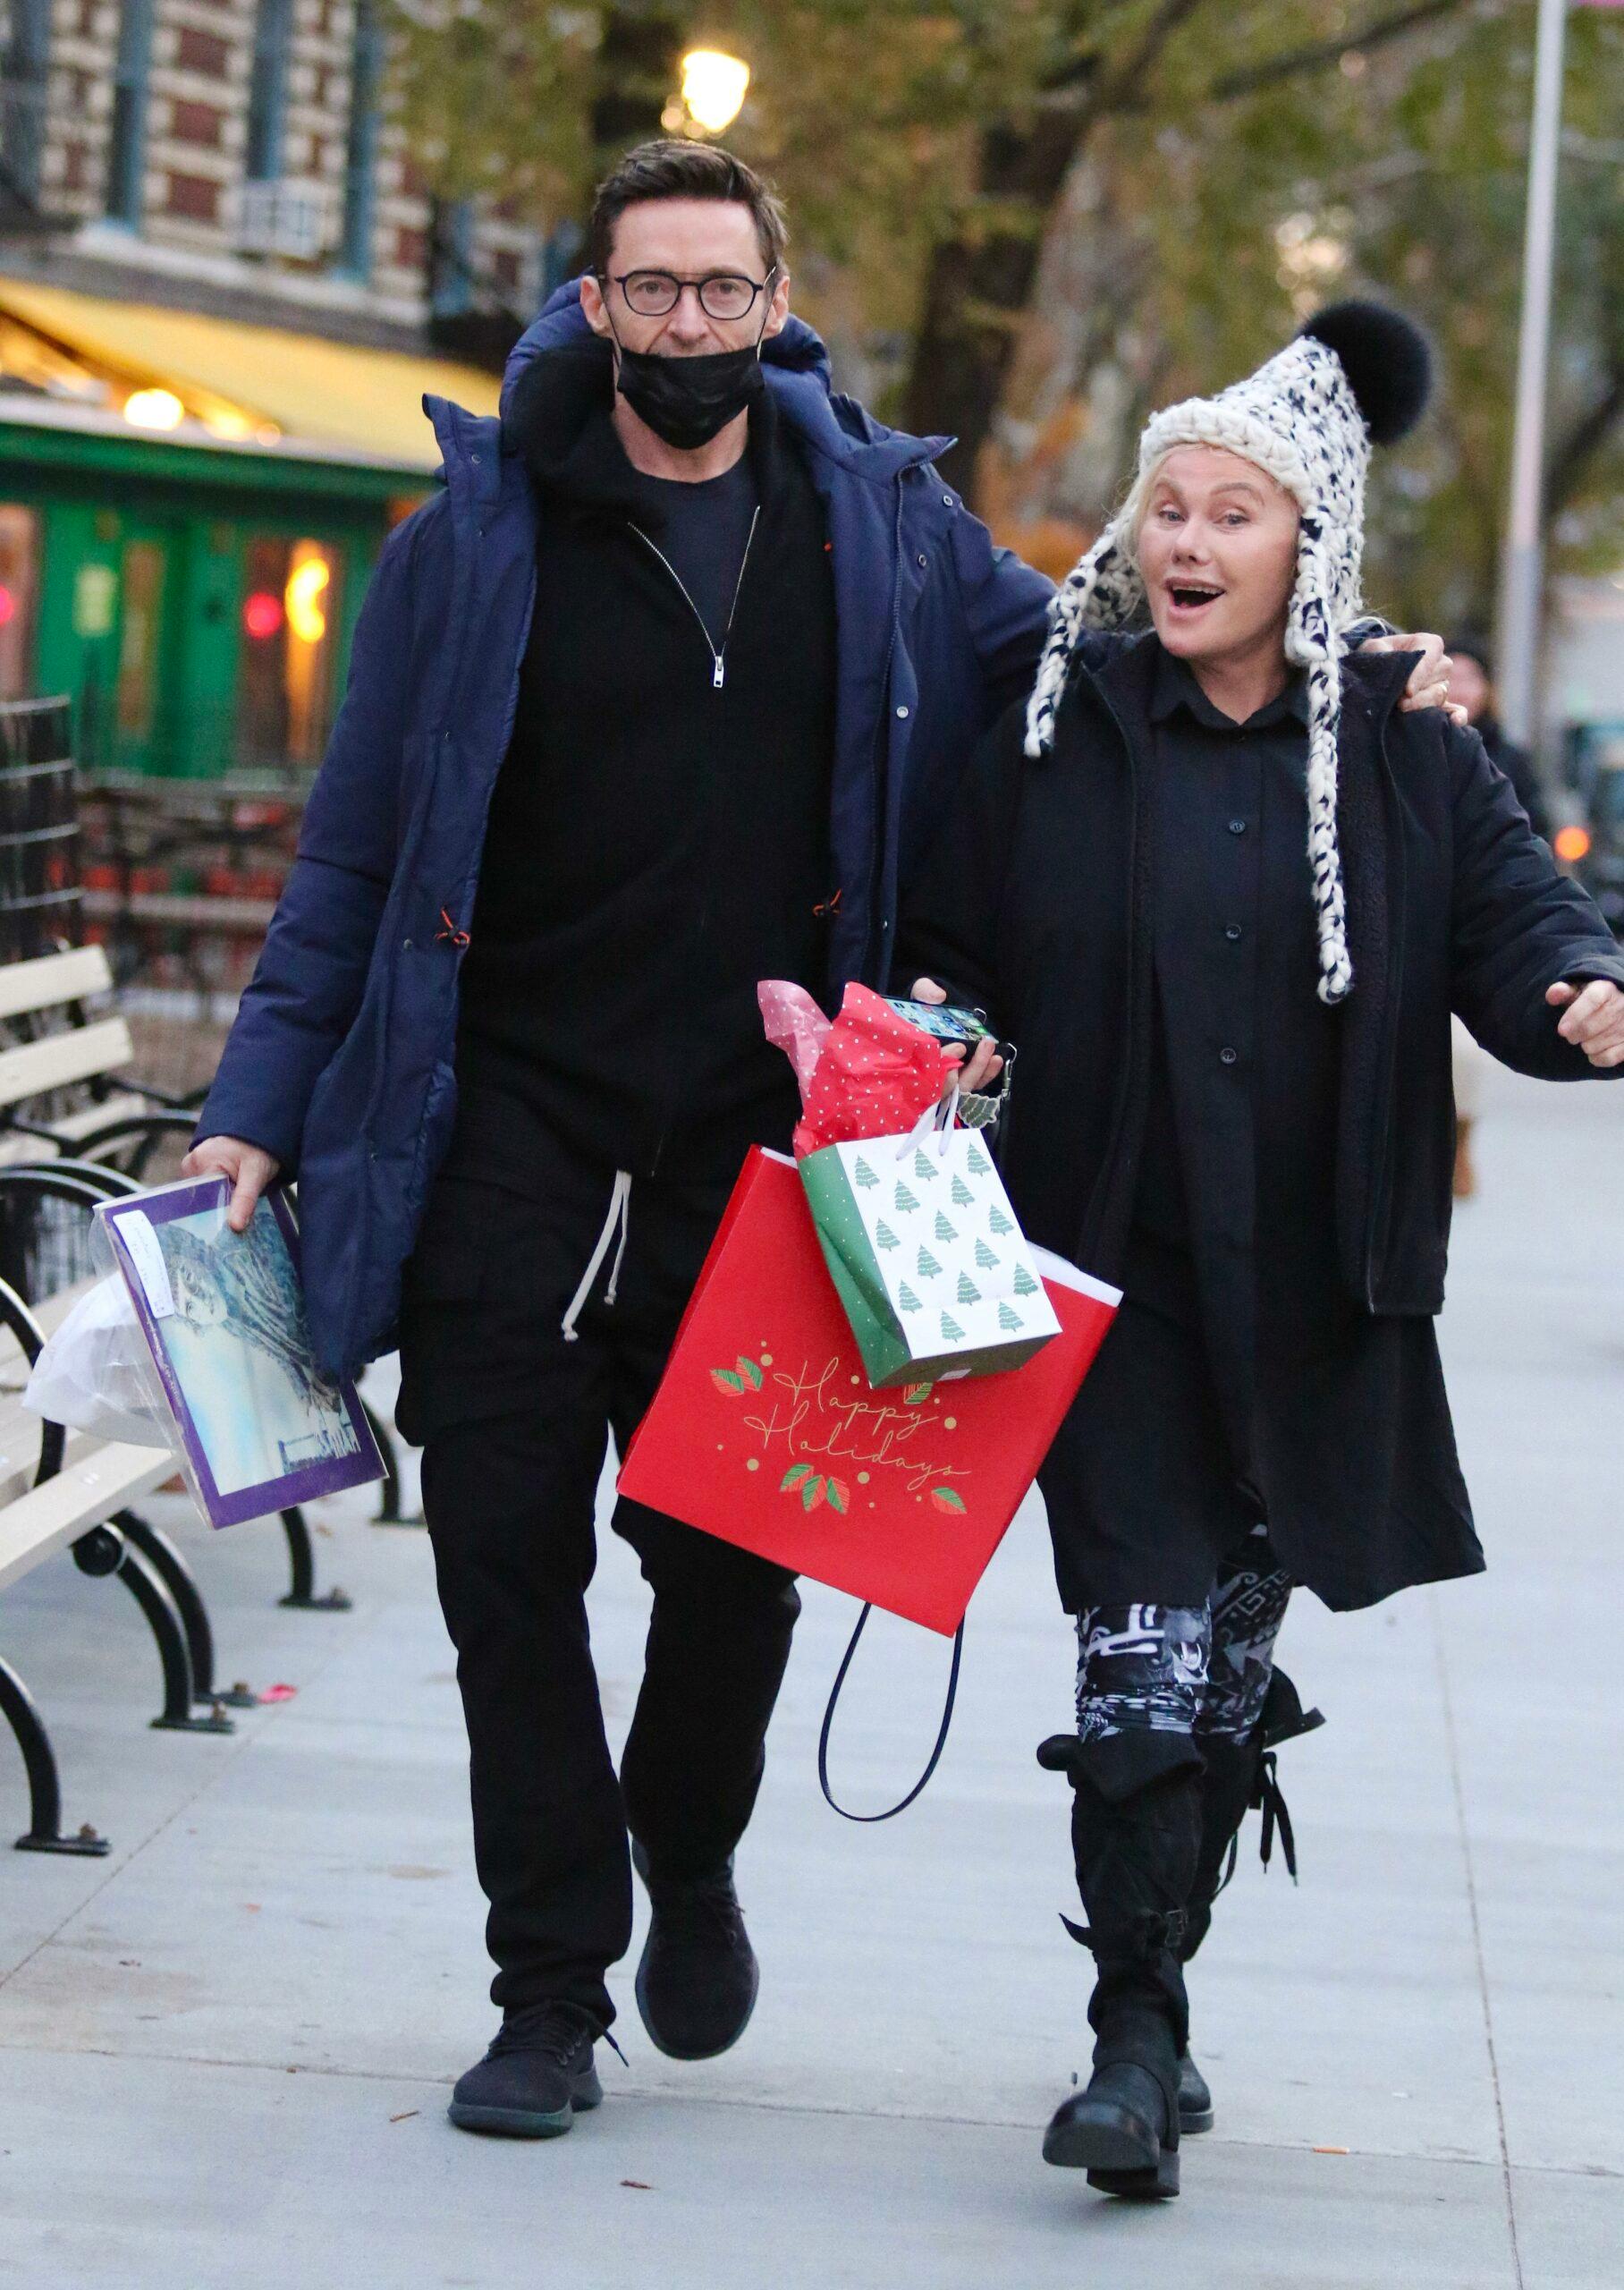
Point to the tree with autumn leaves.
(1023, 222)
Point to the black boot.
(698, 1981)
(1135, 1858)
(534, 2079)
(1237, 1776)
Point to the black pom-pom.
(1387, 360)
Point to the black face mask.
(685, 401)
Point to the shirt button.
(923, 561)
(1227, 1057)
(1238, 826)
(901, 711)
(1232, 932)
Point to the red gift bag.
(764, 1429)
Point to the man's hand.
(985, 1064)
(1593, 1016)
(1429, 680)
(251, 1168)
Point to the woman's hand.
(1429, 679)
(984, 1066)
(251, 1168)
(1592, 1018)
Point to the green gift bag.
(931, 1266)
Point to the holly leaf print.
(915, 1393)
(812, 1494)
(793, 1477)
(947, 1499)
(751, 1373)
(725, 1380)
(838, 1496)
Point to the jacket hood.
(797, 377)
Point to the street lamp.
(713, 87)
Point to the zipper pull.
(718, 673)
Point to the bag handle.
(936, 1756)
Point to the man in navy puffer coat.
(631, 722)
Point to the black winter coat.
(1035, 903)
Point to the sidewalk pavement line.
(660, 2095)
(1442, 1661)
(117, 1863)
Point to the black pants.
(512, 1418)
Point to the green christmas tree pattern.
(1008, 1318)
(907, 1300)
(968, 1293)
(1000, 1223)
(951, 1329)
(962, 1197)
(905, 1202)
(884, 1237)
(976, 1162)
(985, 1257)
(924, 1167)
(927, 1265)
(864, 1175)
(1025, 1285)
(944, 1231)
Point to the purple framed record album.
(260, 1425)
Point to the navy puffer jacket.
(340, 1062)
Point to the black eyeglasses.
(723, 295)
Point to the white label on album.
(148, 1259)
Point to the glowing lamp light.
(713, 87)
(307, 585)
(154, 409)
(262, 614)
(8, 606)
(1572, 844)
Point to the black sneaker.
(535, 2077)
(697, 1984)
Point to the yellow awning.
(320, 393)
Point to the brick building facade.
(237, 154)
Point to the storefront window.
(290, 636)
(136, 700)
(19, 595)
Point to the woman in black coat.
(1234, 1100)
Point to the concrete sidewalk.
(227, 2049)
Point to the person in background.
(1222, 892)
(1471, 683)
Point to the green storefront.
(196, 603)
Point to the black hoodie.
(657, 843)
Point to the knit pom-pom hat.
(1356, 375)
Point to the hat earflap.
(1312, 644)
(1103, 590)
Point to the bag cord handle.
(936, 1756)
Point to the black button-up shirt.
(1239, 1165)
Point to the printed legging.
(1190, 1670)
